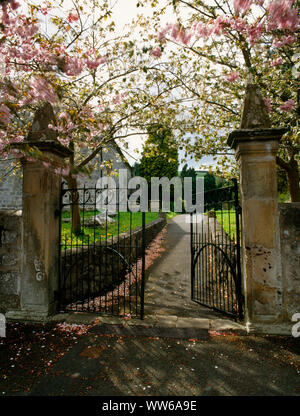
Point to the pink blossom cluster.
(177, 32)
(156, 51)
(284, 40)
(255, 32)
(93, 63)
(267, 102)
(282, 15)
(73, 66)
(41, 90)
(289, 105)
(5, 114)
(73, 16)
(277, 61)
(241, 6)
(238, 24)
(19, 47)
(183, 36)
(233, 76)
(162, 34)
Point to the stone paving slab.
(151, 332)
(156, 321)
(193, 323)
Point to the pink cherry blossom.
(204, 31)
(241, 6)
(284, 40)
(277, 61)
(5, 114)
(175, 30)
(183, 36)
(73, 17)
(232, 77)
(255, 32)
(162, 34)
(219, 25)
(282, 15)
(13, 4)
(73, 66)
(288, 105)
(268, 104)
(156, 51)
(238, 24)
(44, 10)
(41, 90)
(94, 63)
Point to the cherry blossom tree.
(215, 47)
(101, 86)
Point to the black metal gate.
(216, 252)
(101, 255)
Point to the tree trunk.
(292, 170)
(75, 208)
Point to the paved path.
(168, 285)
(115, 361)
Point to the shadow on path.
(168, 282)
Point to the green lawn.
(123, 222)
(171, 215)
(227, 221)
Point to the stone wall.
(10, 259)
(289, 226)
(10, 186)
(11, 182)
(87, 269)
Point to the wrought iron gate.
(101, 255)
(216, 252)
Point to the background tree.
(209, 182)
(160, 154)
(189, 173)
(160, 157)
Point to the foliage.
(102, 87)
(214, 48)
(209, 182)
(160, 154)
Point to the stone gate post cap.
(248, 135)
(52, 146)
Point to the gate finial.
(40, 130)
(255, 115)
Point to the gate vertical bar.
(143, 264)
(238, 249)
(59, 291)
(192, 256)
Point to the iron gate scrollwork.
(101, 264)
(216, 252)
